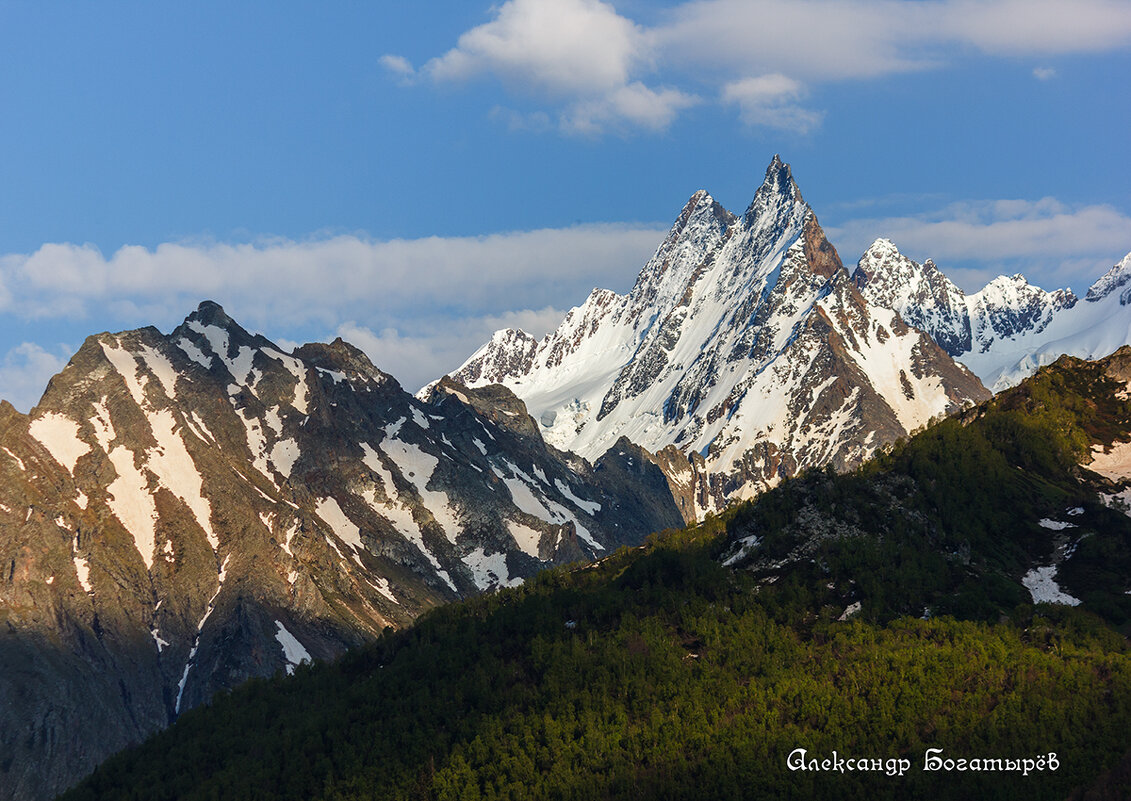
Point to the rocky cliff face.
(744, 343)
(181, 513)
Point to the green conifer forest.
(661, 673)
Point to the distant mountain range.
(1008, 329)
(746, 353)
(183, 512)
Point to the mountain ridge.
(1007, 329)
(717, 350)
(181, 513)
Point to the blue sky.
(413, 175)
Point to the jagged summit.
(1008, 283)
(881, 249)
(743, 343)
(209, 312)
(777, 195)
(340, 358)
(923, 296)
(703, 203)
(510, 350)
(777, 185)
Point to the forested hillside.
(954, 519)
(660, 672)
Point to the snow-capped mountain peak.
(509, 350)
(923, 296)
(777, 187)
(964, 325)
(743, 344)
(1115, 278)
(1010, 306)
(1010, 327)
(700, 227)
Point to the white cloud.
(850, 39)
(631, 105)
(1044, 73)
(561, 46)
(580, 52)
(771, 101)
(321, 280)
(1021, 27)
(25, 371)
(592, 64)
(399, 66)
(1049, 241)
(811, 39)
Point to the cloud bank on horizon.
(417, 307)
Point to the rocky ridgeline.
(1009, 328)
(181, 513)
(744, 347)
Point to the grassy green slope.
(659, 673)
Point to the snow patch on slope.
(397, 512)
(525, 537)
(193, 352)
(1041, 584)
(171, 463)
(19, 462)
(589, 507)
(382, 586)
(489, 570)
(223, 574)
(1115, 464)
(523, 493)
(60, 435)
(348, 532)
(161, 367)
(82, 570)
(418, 466)
(128, 494)
(293, 651)
(284, 454)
